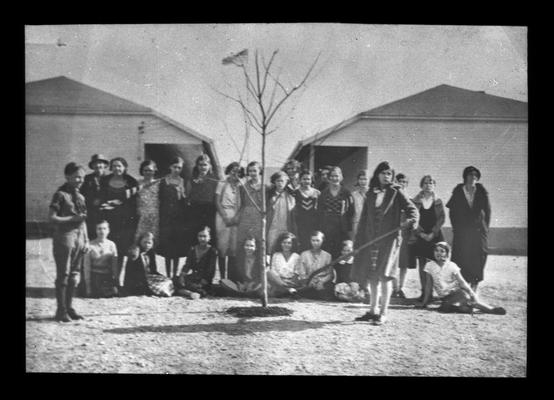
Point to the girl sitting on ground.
(344, 267)
(100, 264)
(141, 263)
(456, 295)
(282, 275)
(321, 286)
(195, 279)
(249, 268)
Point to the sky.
(177, 70)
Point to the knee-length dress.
(381, 214)
(122, 218)
(148, 210)
(470, 226)
(306, 216)
(230, 204)
(174, 238)
(335, 219)
(250, 222)
(202, 209)
(431, 220)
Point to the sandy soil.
(175, 335)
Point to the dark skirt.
(332, 227)
(102, 285)
(343, 273)
(424, 249)
(306, 222)
(199, 216)
(469, 252)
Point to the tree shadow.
(241, 327)
(40, 292)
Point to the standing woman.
(292, 168)
(174, 241)
(306, 210)
(428, 232)
(280, 206)
(470, 216)
(202, 198)
(91, 189)
(249, 217)
(228, 205)
(377, 264)
(119, 206)
(148, 201)
(335, 210)
(358, 197)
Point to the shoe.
(498, 311)
(380, 320)
(73, 314)
(400, 294)
(368, 316)
(62, 316)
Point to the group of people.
(322, 240)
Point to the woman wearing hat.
(470, 215)
(91, 190)
(377, 264)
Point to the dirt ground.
(179, 336)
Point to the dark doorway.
(162, 154)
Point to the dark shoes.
(73, 314)
(498, 311)
(399, 294)
(368, 316)
(62, 316)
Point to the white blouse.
(286, 269)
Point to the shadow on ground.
(241, 327)
(40, 292)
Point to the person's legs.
(420, 267)
(175, 266)
(168, 267)
(221, 264)
(73, 282)
(63, 265)
(373, 296)
(386, 291)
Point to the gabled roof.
(441, 102)
(64, 95)
(452, 102)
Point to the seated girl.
(141, 262)
(248, 269)
(195, 279)
(282, 275)
(344, 267)
(456, 295)
(100, 264)
(321, 285)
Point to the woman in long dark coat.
(470, 215)
(377, 264)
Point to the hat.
(97, 157)
(469, 170)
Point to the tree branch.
(267, 68)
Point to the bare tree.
(268, 94)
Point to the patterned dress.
(306, 216)
(148, 210)
(250, 223)
(174, 238)
(230, 203)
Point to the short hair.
(347, 242)
(144, 235)
(205, 229)
(292, 163)
(250, 238)
(362, 172)
(145, 164)
(305, 172)
(317, 233)
(400, 175)
(445, 246)
(233, 165)
(102, 221)
(176, 160)
(121, 160)
(72, 167)
(336, 169)
(254, 164)
(285, 235)
(278, 175)
(422, 181)
(469, 170)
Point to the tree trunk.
(264, 223)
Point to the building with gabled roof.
(66, 120)
(439, 131)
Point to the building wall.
(443, 149)
(54, 140)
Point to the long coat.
(470, 226)
(374, 222)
